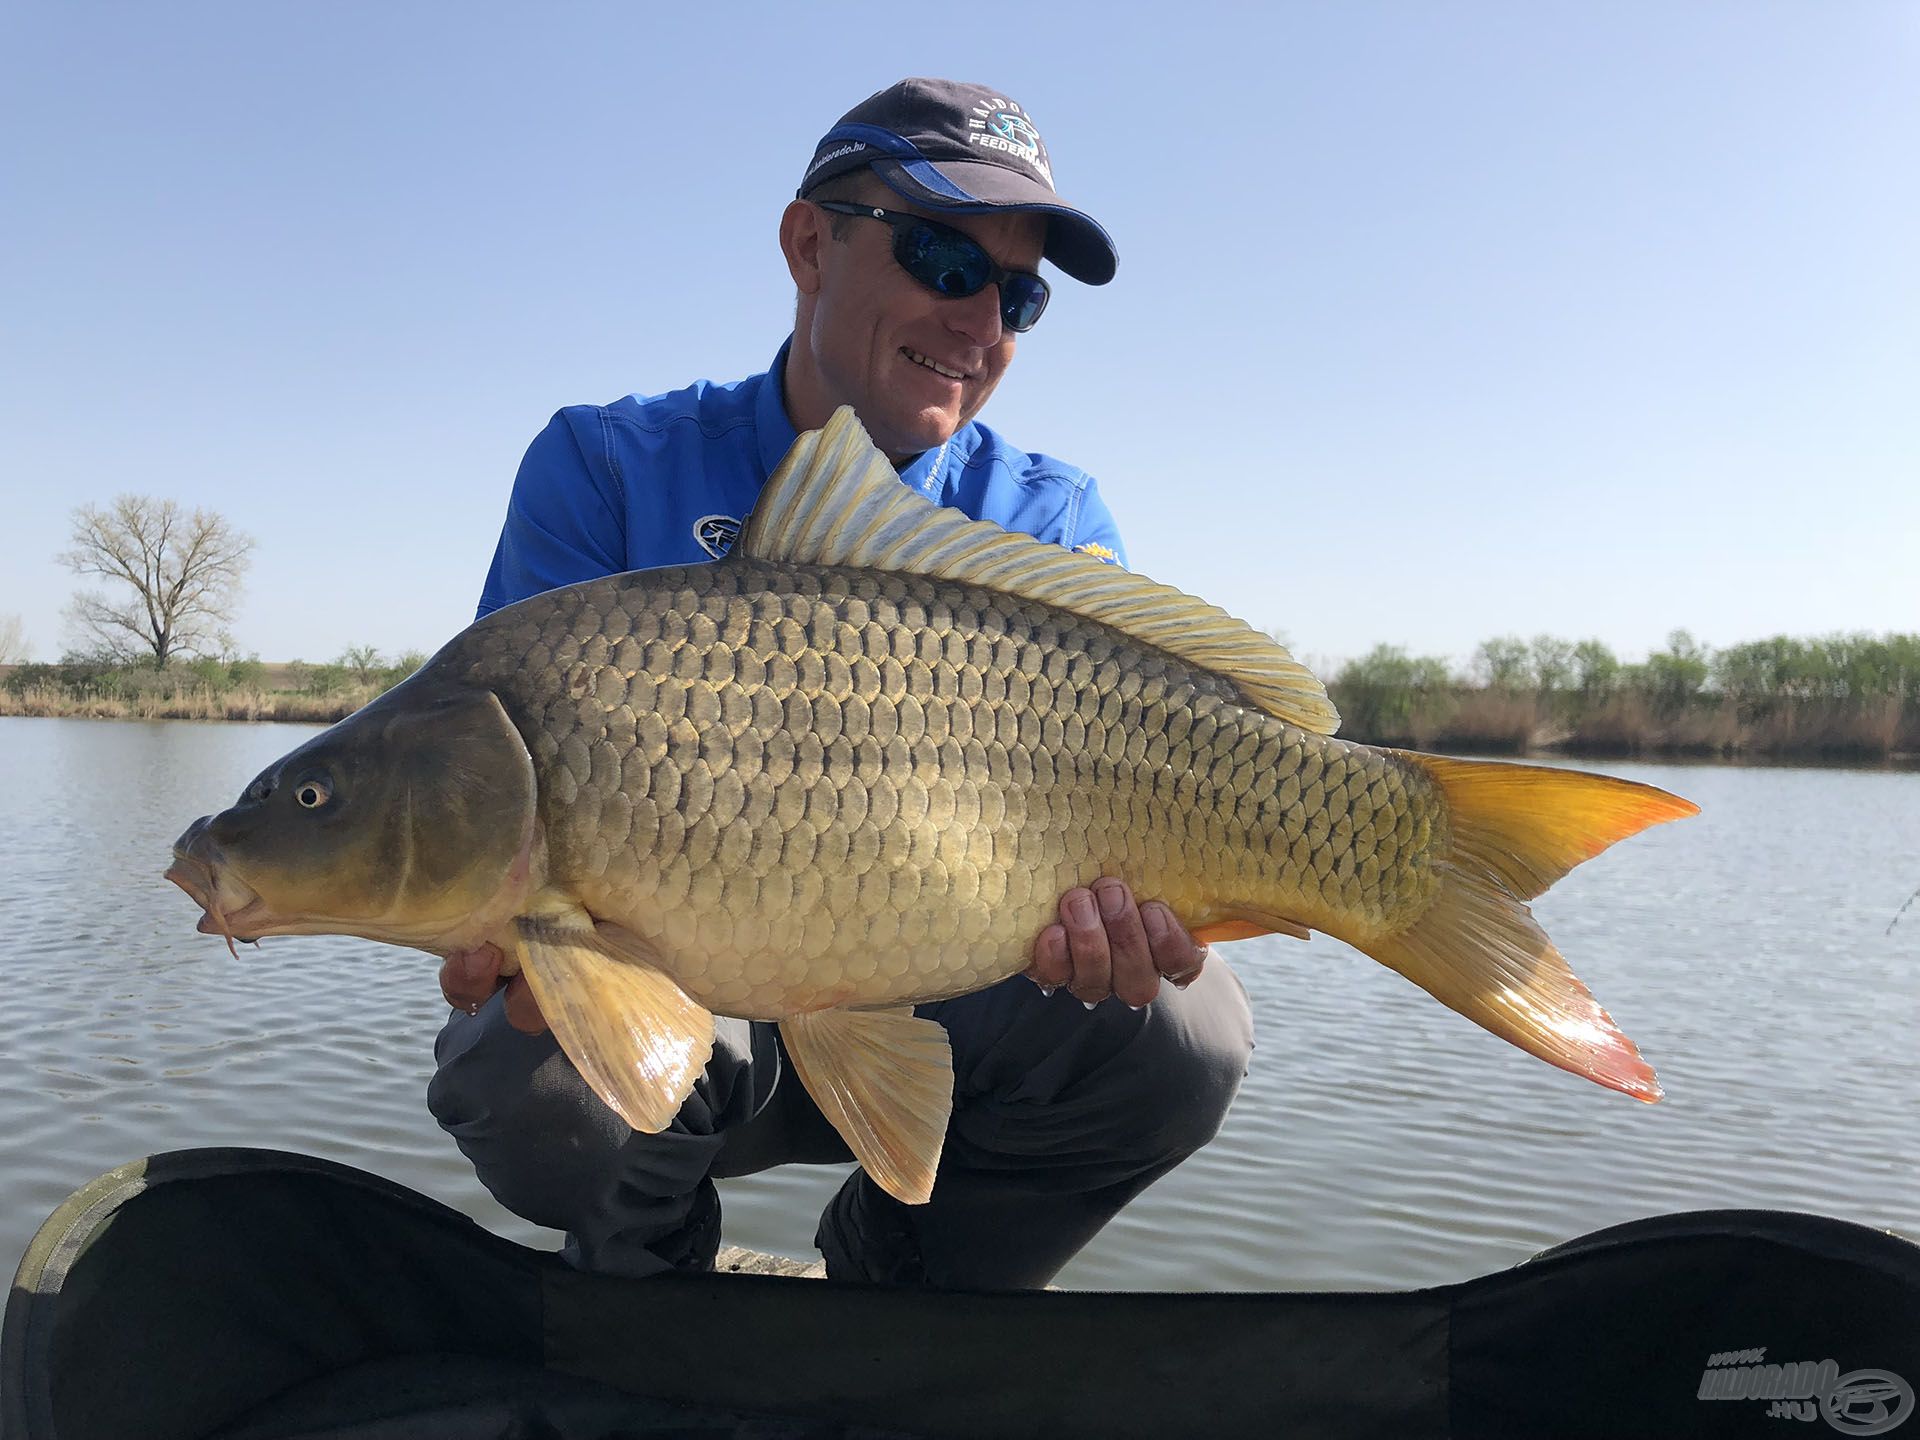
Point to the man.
(914, 244)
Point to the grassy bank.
(201, 690)
(186, 703)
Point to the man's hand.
(1105, 944)
(468, 979)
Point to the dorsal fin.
(836, 501)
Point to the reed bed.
(184, 704)
(1844, 697)
(1481, 722)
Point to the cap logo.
(1001, 125)
(1015, 128)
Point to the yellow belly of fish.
(809, 787)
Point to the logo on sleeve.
(716, 534)
(1098, 551)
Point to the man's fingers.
(1108, 944)
(1175, 955)
(468, 978)
(1052, 966)
(523, 1011)
(1135, 980)
(1092, 978)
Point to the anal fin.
(1244, 925)
(632, 1033)
(884, 1079)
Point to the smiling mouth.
(926, 362)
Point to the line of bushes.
(1843, 697)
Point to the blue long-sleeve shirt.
(666, 480)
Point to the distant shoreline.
(1484, 724)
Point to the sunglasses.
(950, 263)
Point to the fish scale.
(925, 766)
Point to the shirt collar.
(773, 428)
(927, 473)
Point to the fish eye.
(312, 792)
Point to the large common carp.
(852, 767)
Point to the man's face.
(915, 366)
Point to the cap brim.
(1075, 242)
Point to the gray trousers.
(1061, 1115)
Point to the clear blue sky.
(1433, 321)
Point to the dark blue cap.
(962, 148)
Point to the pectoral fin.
(885, 1081)
(632, 1033)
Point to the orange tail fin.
(1514, 830)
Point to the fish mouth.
(231, 908)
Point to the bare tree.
(13, 641)
(183, 568)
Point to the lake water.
(1380, 1141)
